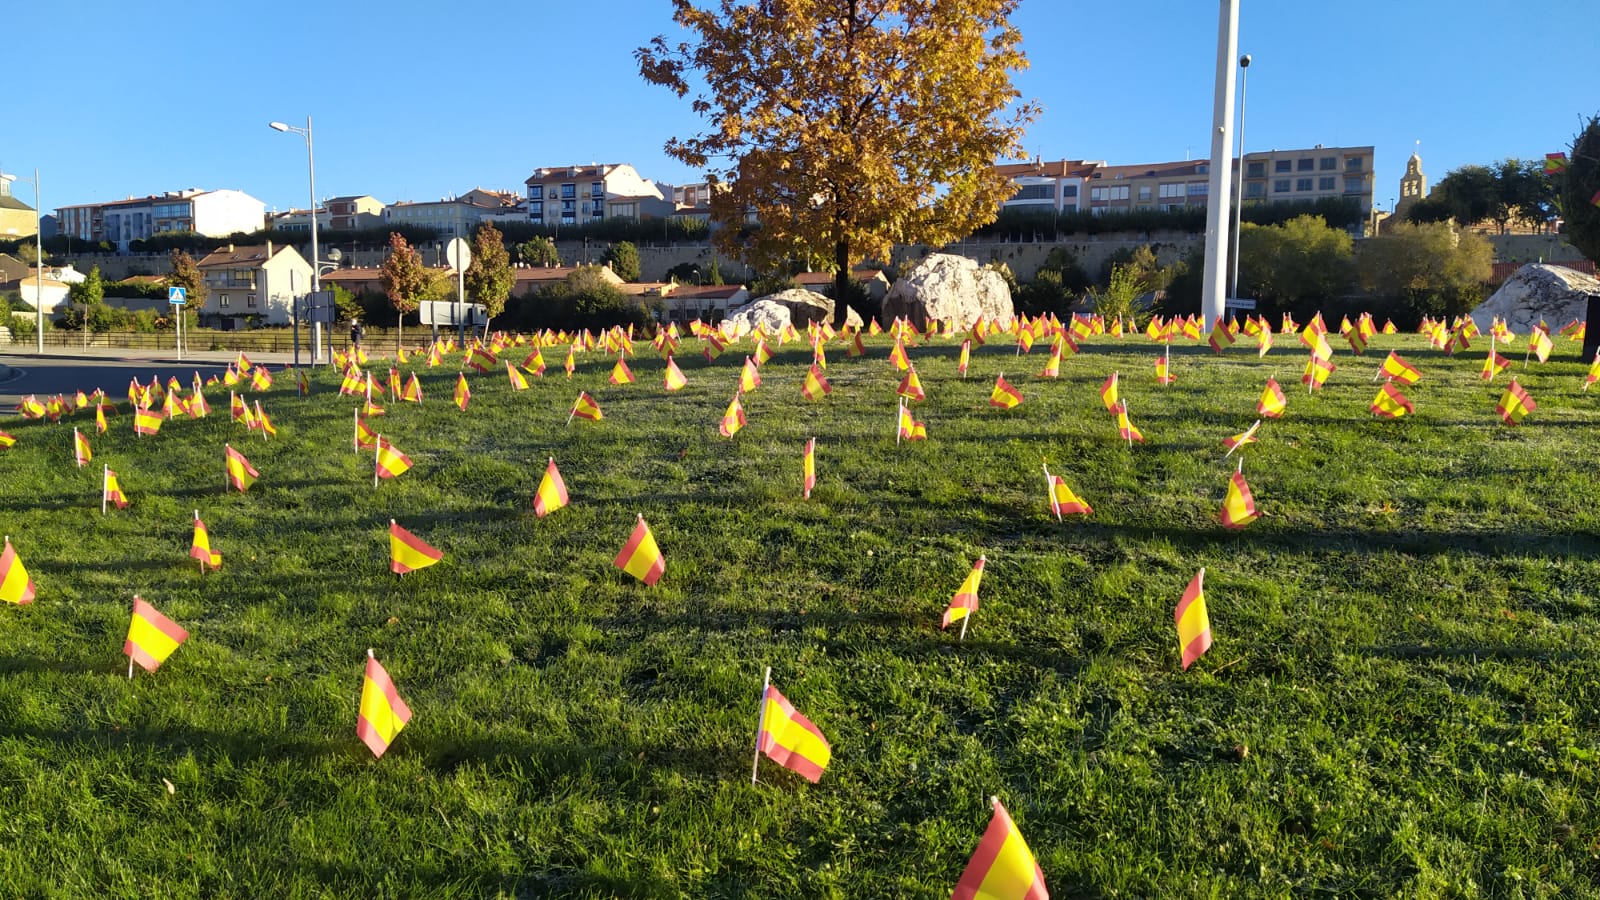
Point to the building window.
(1069, 190)
(568, 219)
(535, 192)
(1280, 186)
(1144, 192)
(250, 300)
(1305, 165)
(1282, 165)
(1352, 164)
(1202, 169)
(1325, 183)
(1098, 193)
(569, 191)
(536, 207)
(1328, 163)
(596, 190)
(1199, 188)
(1036, 192)
(1254, 189)
(1302, 184)
(568, 207)
(1257, 170)
(1354, 185)
(598, 208)
(1120, 192)
(222, 301)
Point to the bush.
(623, 258)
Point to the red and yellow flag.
(1002, 868)
(749, 376)
(1272, 402)
(1358, 341)
(1194, 626)
(1221, 336)
(1493, 365)
(1594, 371)
(1004, 396)
(1108, 393)
(1555, 163)
(463, 393)
(965, 601)
(15, 585)
(1540, 345)
(389, 461)
(1318, 368)
(552, 492)
(586, 408)
(789, 739)
(640, 557)
(382, 713)
(407, 552)
(1125, 426)
(240, 473)
(80, 448)
(262, 422)
(200, 546)
(1248, 436)
(111, 489)
(808, 468)
(1390, 403)
(1396, 368)
(413, 391)
(815, 385)
(908, 428)
(911, 386)
(1515, 404)
(1239, 505)
(733, 419)
(1062, 500)
(674, 380)
(898, 355)
(534, 363)
(152, 636)
(965, 358)
(1164, 374)
(514, 375)
(7, 441)
(620, 373)
(146, 421)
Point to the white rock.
(1554, 294)
(807, 306)
(943, 287)
(764, 313)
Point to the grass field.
(1401, 699)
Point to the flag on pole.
(965, 358)
(1194, 626)
(1555, 163)
(303, 383)
(620, 373)
(390, 462)
(749, 376)
(808, 468)
(1239, 505)
(382, 713)
(1493, 365)
(15, 585)
(1052, 366)
(100, 418)
(7, 441)
(1164, 374)
(1318, 368)
(240, 473)
(1272, 402)
(586, 408)
(146, 421)
(1004, 396)
(815, 385)
(262, 422)
(674, 380)
(80, 448)
(1125, 426)
(1540, 345)
(1594, 371)
(911, 386)
(570, 364)
(200, 546)
(463, 393)
(407, 552)
(151, 636)
(514, 375)
(1108, 393)
(789, 739)
(1248, 436)
(260, 378)
(1002, 868)
(898, 355)
(112, 489)
(552, 492)
(965, 601)
(640, 557)
(535, 362)
(1395, 368)
(1062, 500)
(1358, 341)
(413, 391)
(733, 419)
(1515, 404)
(1221, 338)
(1390, 403)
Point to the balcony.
(224, 282)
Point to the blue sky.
(414, 101)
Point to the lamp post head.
(277, 126)
(1244, 63)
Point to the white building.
(574, 195)
(211, 213)
(254, 281)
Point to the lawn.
(1400, 700)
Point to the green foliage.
(1507, 191)
(1582, 186)
(1120, 296)
(586, 298)
(186, 274)
(714, 275)
(538, 251)
(90, 291)
(774, 283)
(1046, 225)
(347, 306)
(489, 278)
(624, 260)
(1185, 284)
(137, 289)
(1294, 267)
(1064, 263)
(1431, 268)
(685, 273)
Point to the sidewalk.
(20, 357)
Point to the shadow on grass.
(1475, 653)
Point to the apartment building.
(574, 195)
(212, 213)
(1055, 186)
(453, 216)
(17, 219)
(1310, 174)
(354, 212)
(260, 280)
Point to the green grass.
(1401, 699)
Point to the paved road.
(108, 369)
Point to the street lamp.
(1238, 216)
(311, 164)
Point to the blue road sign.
(177, 296)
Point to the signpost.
(178, 297)
(459, 256)
(1238, 303)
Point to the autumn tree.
(1580, 197)
(539, 251)
(846, 127)
(404, 279)
(186, 274)
(489, 276)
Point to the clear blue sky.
(417, 100)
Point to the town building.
(260, 280)
(453, 217)
(121, 222)
(576, 195)
(17, 219)
(1054, 186)
(354, 212)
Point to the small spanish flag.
(389, 462)
(1194, 626)
(1390, 403)
(151, 636)
(815, 385)
(1004, 396)
(620, 373)
(1493, 365)
(898, 355)
(733, 419)
(240, 473)
(965, 601)
(407, 552)
(200, 546)
(382, 713)
(7, 441)
(1062, 500)
(1238, 506)
(262, 422)
(749, 376)
(1125, 427)
(911, 386)
(80, 448)
(146, 421)
(1272, 402)
(1002, 868)
(788, 738)
(674, 380)
(1540, 345)
(15, 585)
(586, 408)
(1164, 374)
(965, 358)
(808, 467)
(640, 557)
(1248, 436)
(463, 393)
(908, 428)
(111, 491)
(1108, 392)
(514, 375)
(552, 492)
(1318, 368)
(534, 363)
(1395, 368)
(1515, 404)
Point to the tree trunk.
(841, 283)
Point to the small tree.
(186, 274)
(90, 291)
(715, 275)
(489, 277)
(1432, 268)
(624, 260)
(539, 251)
(404, 279)
(1121, 293)
(1580, 197)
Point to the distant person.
(355, 335)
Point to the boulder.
(944, 286)
(806, 307)
(764, 313)
(1555, 294)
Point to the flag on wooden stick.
(965, 601)
(640, 556)
(240, 473)
(382, 713)
(552, 492)
(15, 585)
(788, 738)
(407, 552)
(200, 546)
(151, 636)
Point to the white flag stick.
(105, 479)
(377, 447)
(1050, 492)
(761, 723)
